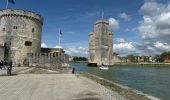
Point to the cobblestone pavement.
(15, 70)
(34, 70)
(53, 87)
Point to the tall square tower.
(100, 44)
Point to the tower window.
(33, 30)
(28, 43)
(3, 29)
(15, 27)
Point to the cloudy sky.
(140, 27)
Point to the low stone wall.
(1, 53)
(127, 92)
(143, 64)
(44, 59)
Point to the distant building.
(100, 44)
(139, 59)
(166, 59)
(66, 58)
(52, 50)
(116, 58)
(151, 59)
(124, 60)
(144, 59)
(58, 51)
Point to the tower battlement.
(21, 13)
(102, 21)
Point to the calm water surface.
(150, 80)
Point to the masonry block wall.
(44, 59)
(1, 53)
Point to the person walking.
(1, 64)
(9, 69)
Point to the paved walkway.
(15, 70)
(53, 87)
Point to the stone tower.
(21, 30)
(100, 44)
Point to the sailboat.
(103, 67)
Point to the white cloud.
(113, 23)
(73, 50)
(156, 20)
(77, 51)
(151, 8)
(68, 52)
(155, 26)
(125, 16)
(76, 48)
(162, 46)
(69, 32)
(43, 45)
(123, 47)
(57, 46)
(120, 40)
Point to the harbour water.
(154, 81)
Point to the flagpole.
(59, 40)
(7, 4)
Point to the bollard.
(73, 70)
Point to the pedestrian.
(73, 70)
(9, 69)
(1, 64)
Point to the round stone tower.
(21, 30)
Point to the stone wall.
(22, 29)
(2, 53)
(44, 59)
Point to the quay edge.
(129, 93)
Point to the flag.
(61, 32)
(11, 1)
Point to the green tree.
(80, 59)
(131, 58)
(146, 58)
(162, 56)
(165, 56)
(158, 58)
